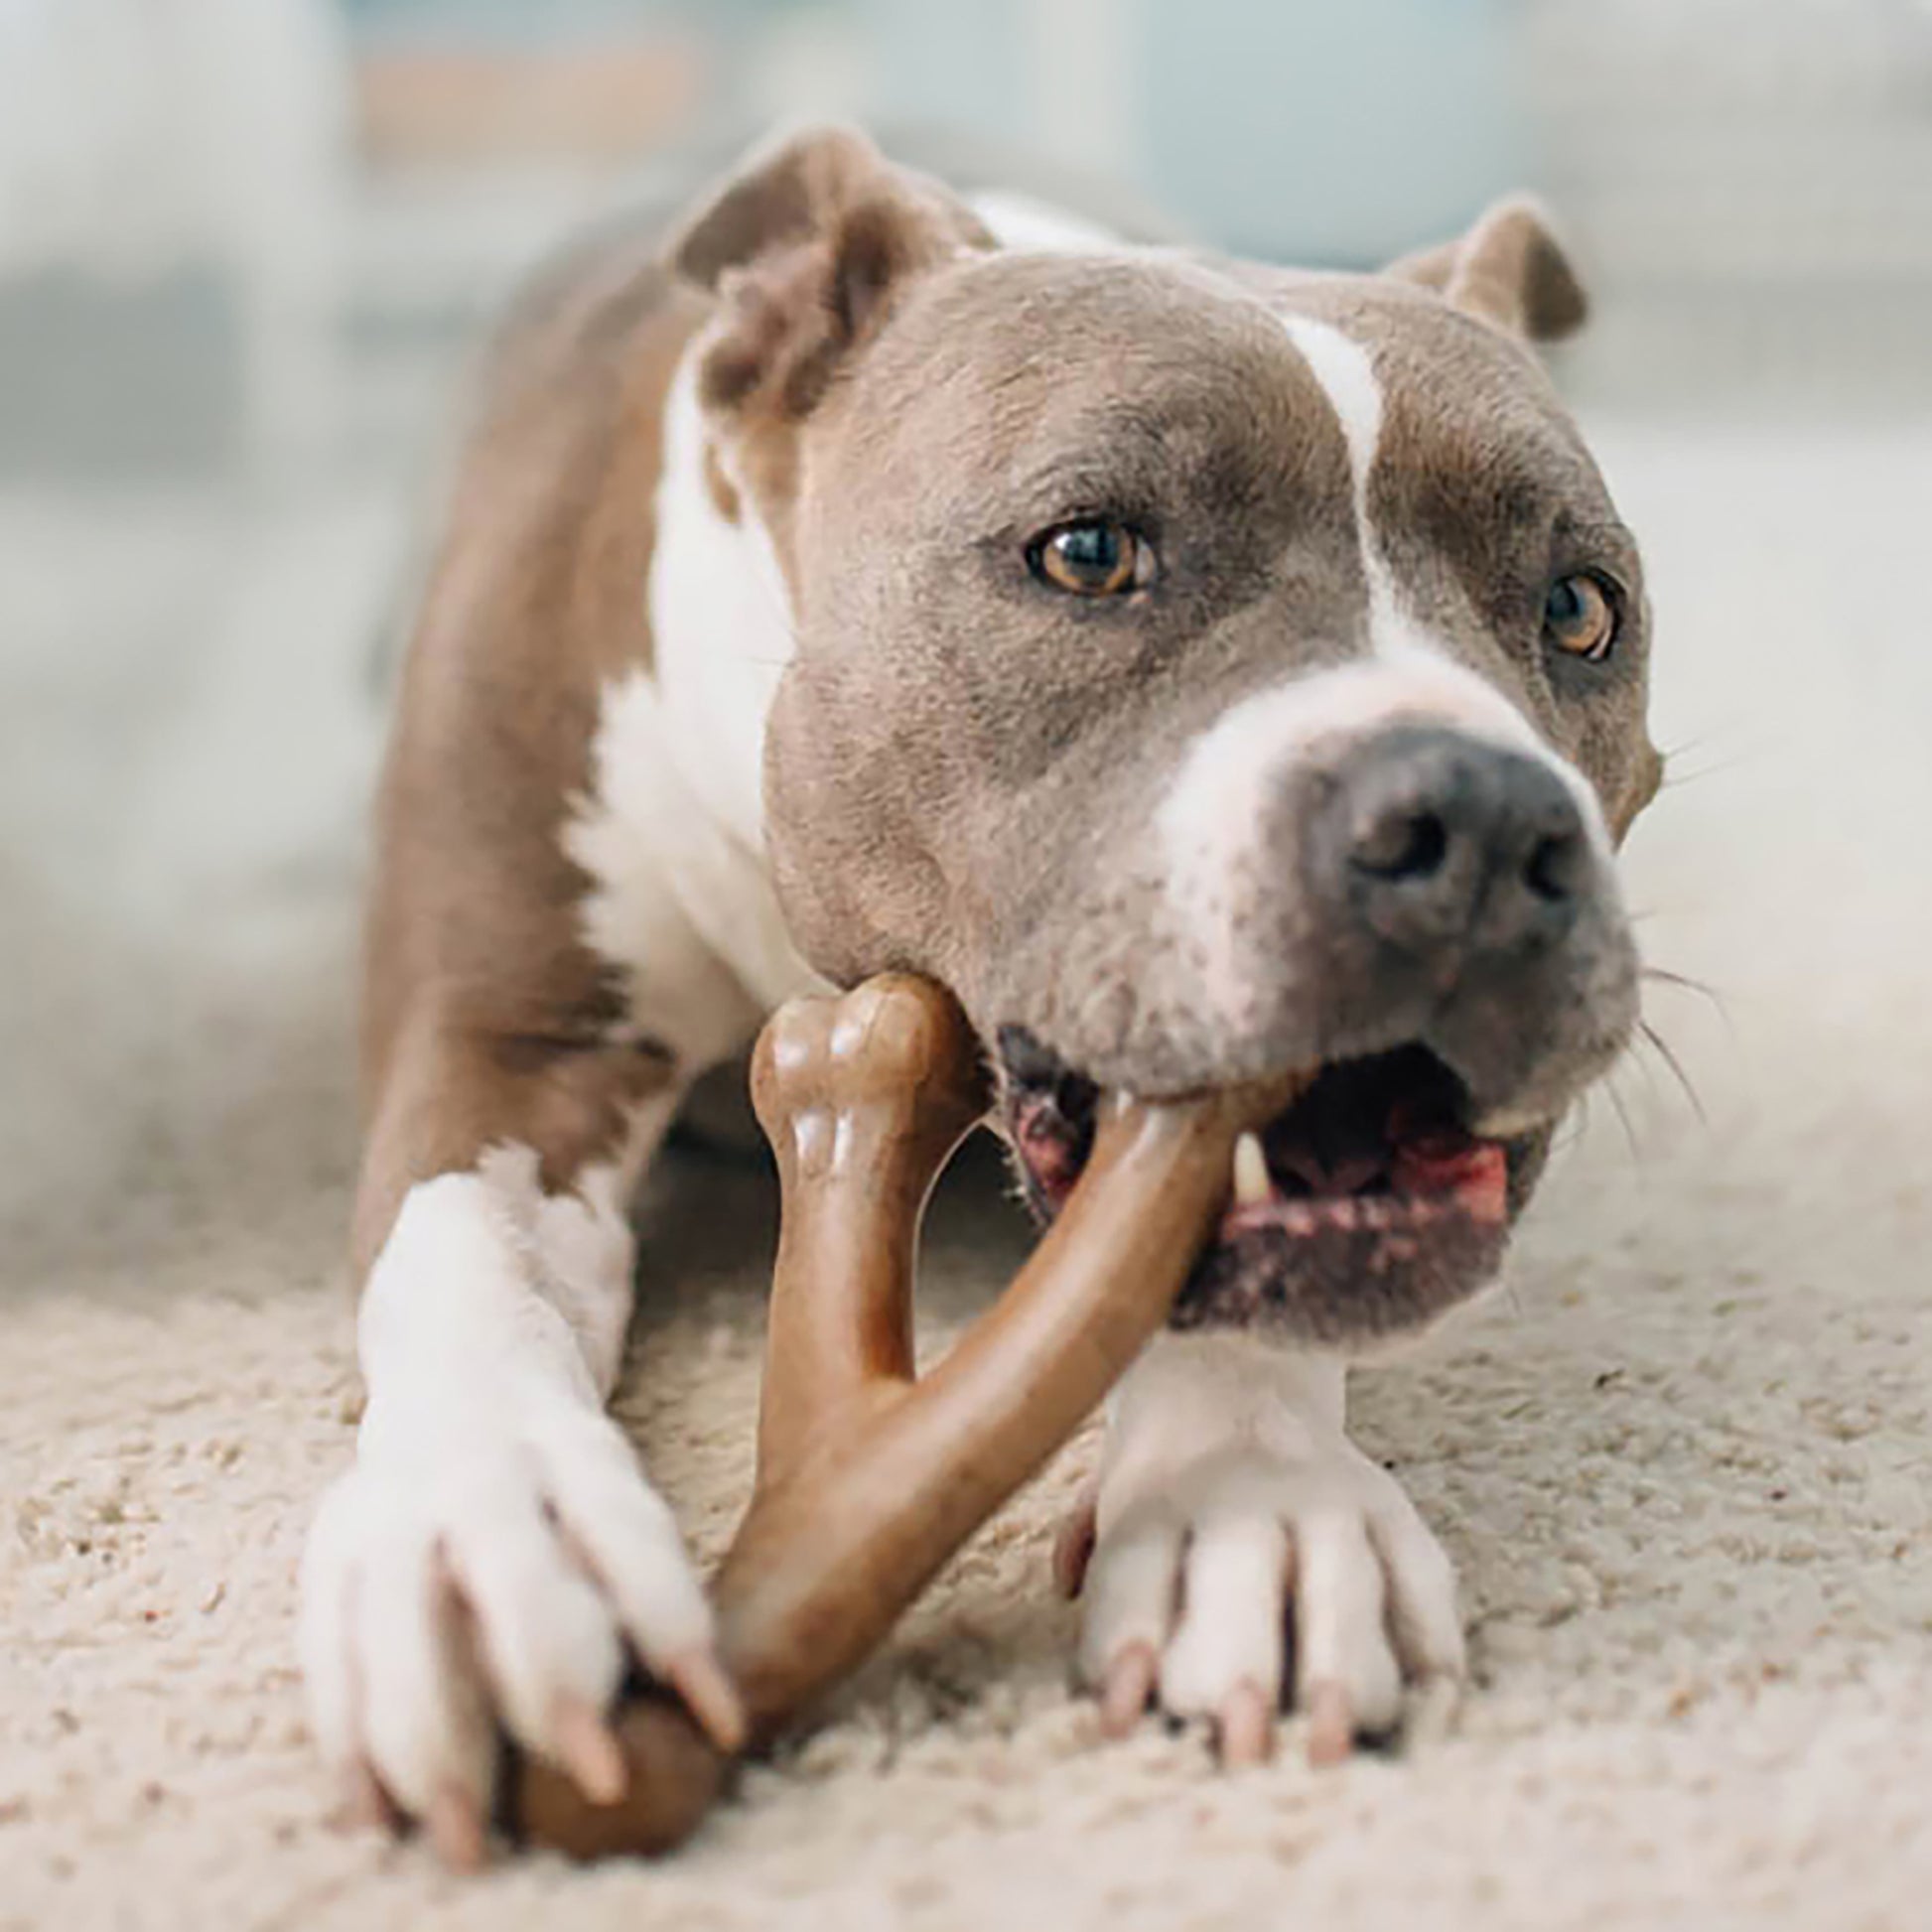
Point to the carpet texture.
(1681, 1461)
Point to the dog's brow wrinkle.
(1075, 479)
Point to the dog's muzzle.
(1451, 885)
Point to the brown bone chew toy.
(868, 1477)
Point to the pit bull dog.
(1208, 671)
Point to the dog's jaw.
(1363, 1212)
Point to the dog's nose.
(1440, 840)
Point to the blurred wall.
(175, 178)
(257, 233)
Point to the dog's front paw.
(493, 1559)
(1221, 1541)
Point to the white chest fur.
(672, 833)
(721, 621)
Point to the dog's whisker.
(1714, 996)
(1670, 753)
(1685, 980)
(1676, 780)
(1664, 1051)
(1673, 776)
(1574, 1129)
(1632, 1057)
(1680, 978)
(1623, 1118)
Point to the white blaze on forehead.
(1441, 687)
(1346, 373)
(1216, 819)
(1348, 376)
(1445, 689)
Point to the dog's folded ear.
(805, 248)
(1509, 269)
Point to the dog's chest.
(671, 831)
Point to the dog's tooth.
(1252, 1187)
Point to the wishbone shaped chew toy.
(868, 1477)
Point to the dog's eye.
(1093, 557)
(1579, 617)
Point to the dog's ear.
(1509, 269)
(805, 248)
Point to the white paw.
(491, 1559)
(1227, 1544)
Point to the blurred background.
(257, 228)
(247, 246)
(246, 249)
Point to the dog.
(1208, 671)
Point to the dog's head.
(1211, 673)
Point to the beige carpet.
(1682, 1463)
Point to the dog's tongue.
(1053, 1160)
(1473, 1173)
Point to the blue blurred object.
(1300, 129)
(1320, 133)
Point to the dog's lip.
(1471, 1180)
(1367, 1165)
(1423, 1142)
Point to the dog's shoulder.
(533, 605)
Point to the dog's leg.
(496, 1550)
(1229, 1502)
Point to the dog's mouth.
(1366, 1207)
